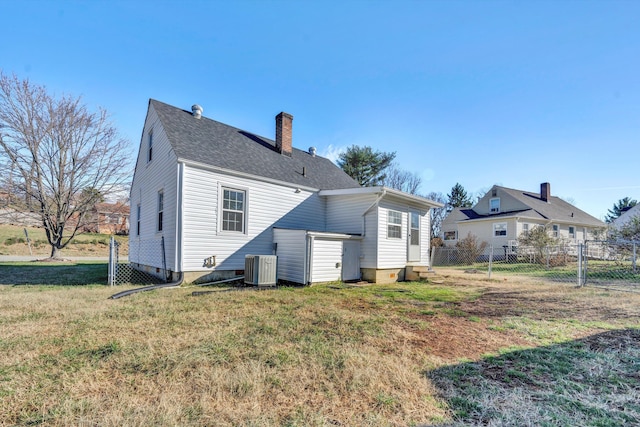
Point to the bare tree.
(402, 180)
(59, 156)
(437, 214)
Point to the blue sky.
(477, 92)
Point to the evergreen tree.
(365, 165)
(458, 198)
(619, 207)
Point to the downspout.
(374, 204)
(179, 239)
(309, 259)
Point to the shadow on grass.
(594, 381)
(54, 274)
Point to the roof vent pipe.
(312, 151)
(196, 110)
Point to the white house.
(502, 214)
(205, 195)
(626, 217)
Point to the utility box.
(260, 270)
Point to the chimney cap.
(312, 151)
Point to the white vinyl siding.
(327, 260)
(269, 205)
(425, 237)
(345, 215)
(392, 253)
(145, 247)
(291, 250)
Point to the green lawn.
(54, 274)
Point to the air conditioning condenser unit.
(260, 270)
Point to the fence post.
(490, 259)
(580, 249)
(432, 258)
(548, 257)
(111, 261)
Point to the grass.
(46, 273)
(462, 353)
(599, 273)
(585, 382)
(13, 242)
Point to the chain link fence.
(122, 269)
(594, 263)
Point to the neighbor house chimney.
(545, 191)
(283, 133)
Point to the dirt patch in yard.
(454, 338)
(549, 303)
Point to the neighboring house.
(626, 217)
(205, 195)
(503, 214)
(108, 218)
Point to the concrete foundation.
(389, 275)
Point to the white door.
(414, 236)
(350, 260)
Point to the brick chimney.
(545, 191)
(283, 133)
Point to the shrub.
(469, 249)
(436, 242)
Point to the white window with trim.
(160, 210)
(394, 224)
(494, 205)
(150, 146)
(572, 232)
(138, 219)
(451, 235)
(525, 229)
(234, 210)
(555, 230)
(499, 229)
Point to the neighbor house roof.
(216, 144)
(556, 209)
(626, 216)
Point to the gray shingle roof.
(554, 210)
(215, 144)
